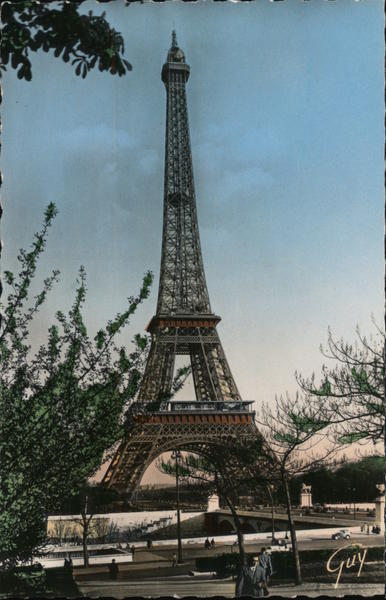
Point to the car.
(283, 542)
(342, 534)
(279, 548)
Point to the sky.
(285, 105)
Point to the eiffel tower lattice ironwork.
(184, 323)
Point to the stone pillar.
(380, 507)
(305, 496)
(213, 503)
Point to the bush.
(23, 580)
(61, 582)
(224, 564)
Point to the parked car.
(279, 548)
(342, 534)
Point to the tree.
(60, 530)
(223, 470)
(350, 395)
(101, 529)
(338, 485)
(61, 406)
(86, 39)
(87, 502)
(192, 468)
(293, 430)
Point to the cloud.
(100, 139)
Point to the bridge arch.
(225, 527)
(247, 527)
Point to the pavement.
(151, 576)
(182, 586)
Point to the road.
(161, 556)
(179, 587)
(135, 577)
(314, 542)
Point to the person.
(244, 581)
(149, 544)
(259, 582)
(174, 560)
(266, 564)
(132, 549)
(113, 569)
(212, 542)
(68, 566)
(207, 543)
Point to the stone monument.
(213, 503)
(305, 496)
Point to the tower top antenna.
(174, 39)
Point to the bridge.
(260, 521)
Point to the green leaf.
(9, 277)
(351, 438)
(100, 339)
(306, 424)
(374, 407)
(141, 341)
(285, 438)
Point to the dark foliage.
(85, 40)
(353, 481)
(99, 497)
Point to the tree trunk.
(270, 493)
(291, 524)
(273, 518)
(85, 528)
(84, 542)
(240, 537)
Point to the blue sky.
(285, 107)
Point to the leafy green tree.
(350, 395)
(87, 40)
(61, 406)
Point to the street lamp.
(176, 455)
(354, 490)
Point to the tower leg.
(158, 376)
(132, 458)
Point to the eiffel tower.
(184, 324)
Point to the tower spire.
(174, 39)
